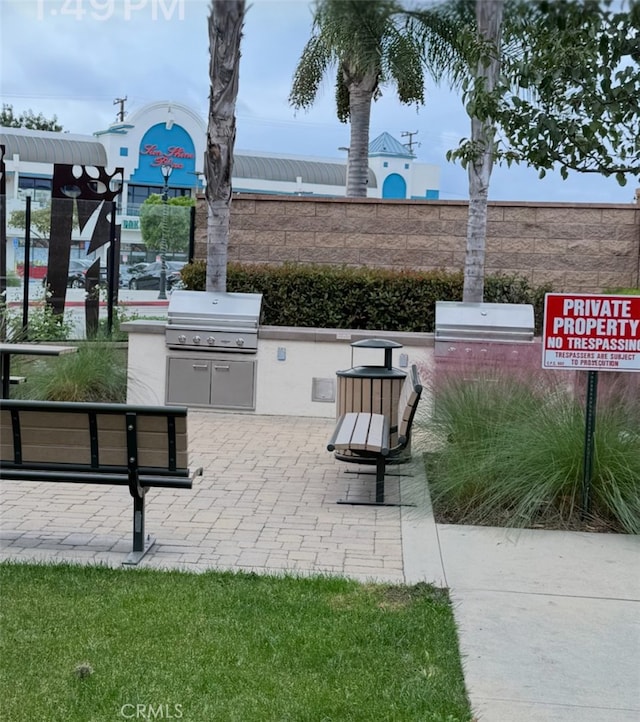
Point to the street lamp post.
(166, 172)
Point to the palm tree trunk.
(489, 20)
(225, 29)
(360, 98)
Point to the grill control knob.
(239, 342)
(196, 339)
(182, 338)
(211, 340)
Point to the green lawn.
(91, 644)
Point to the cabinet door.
(188, 381)
(233, 384)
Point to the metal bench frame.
(141, 446)
(367, 438)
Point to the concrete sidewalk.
(549, 621)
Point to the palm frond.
(316, 58)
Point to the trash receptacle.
(374, 389)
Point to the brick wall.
(578, 248)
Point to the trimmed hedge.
(314, 296)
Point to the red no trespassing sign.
(594, 332)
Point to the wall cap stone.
(423, 202)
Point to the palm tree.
(379, 41)
(225, 30)
(369, 45)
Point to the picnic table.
(7, 350)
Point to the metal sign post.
(589, 439)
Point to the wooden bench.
(371, 439)
(116, 444)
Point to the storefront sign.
(172, 156)
(591, 332)
(162, 146)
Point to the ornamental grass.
(506, 447)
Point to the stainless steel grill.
(213, 321)
(482, 330)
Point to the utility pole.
(411, 143)
(121, 113)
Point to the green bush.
(359, 298)
(623, 291)
(194, 275)
(43, 325)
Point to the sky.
(73, 58)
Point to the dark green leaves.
(579, 65)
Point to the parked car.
(77, 277)
(149, 276)
(124, 276)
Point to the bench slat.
(378, 436)
(360, 431)
(67, 439)
(139, 447)
(344, 431)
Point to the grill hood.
(494, 322)
(213, 321)
(205, 309)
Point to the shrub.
(623, 291)
(120, 315)
(43, 325)
(320, 296)
(194, 275)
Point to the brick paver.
(265, 503)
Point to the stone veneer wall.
(578, 248)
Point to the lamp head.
(166, 170)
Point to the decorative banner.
(591, 332)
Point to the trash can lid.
(372, 372)
(376, 343)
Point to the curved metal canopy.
(37, 146)
(290, 169)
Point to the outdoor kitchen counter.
(297, 333)
(296, 367)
